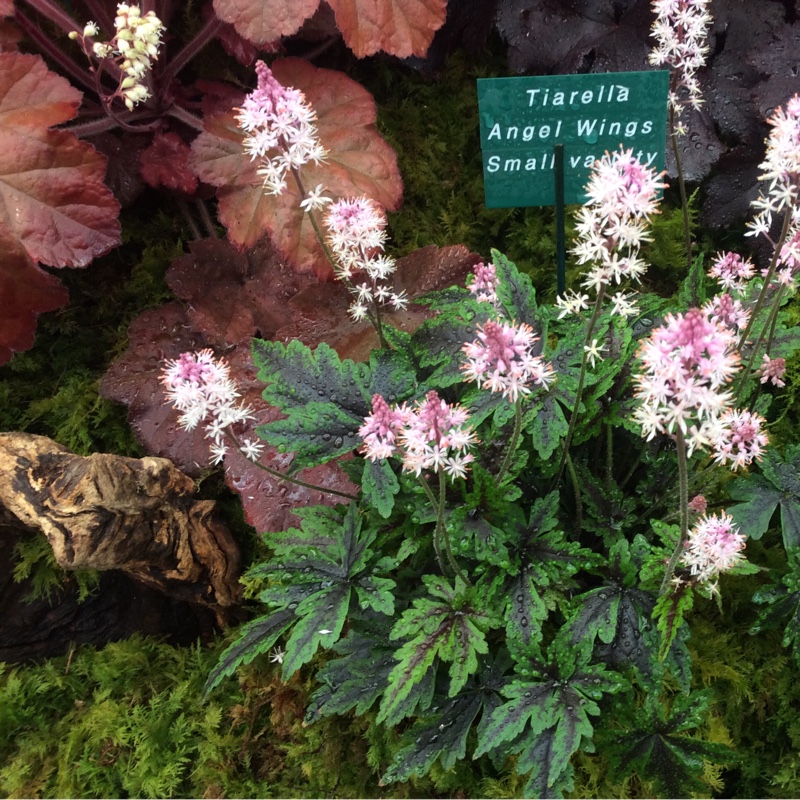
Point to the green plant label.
(522, 119)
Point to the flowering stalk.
(280, 131)
(683, 494)
(131, 52)
(680, 30)
(611, 228)
(501, 360)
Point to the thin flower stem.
(185, 116)
(435, 504)
(443, 528)
(767, 280)
(687, 231)
(56, 14)
(45, 45)
(577, 488)
(281, 476)
(206, 217)
(573, 420)
(609, 456)
(770, 323)
(683, 475)
(513, 443)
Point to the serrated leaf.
(669, 613)
(264, 21)
(651, 745)
(53, 200)
(525, 613)
(402, 28)
(779, 485)
(354, 681)
(450, 627)
(255, 638)
(321, 618)
(547, 425)
(516, 293)
(443, 736)
(379, 485)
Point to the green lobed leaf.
(320, 618)
(254, 638)
(442, 736)
(379, 485)
(759, 499)
(516, 293)
(669, 613)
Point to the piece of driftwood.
(108, 512)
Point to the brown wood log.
(108, 512)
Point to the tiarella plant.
(509, 582)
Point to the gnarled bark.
(109, 512)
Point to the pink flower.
(686, 363)
(484, 284)
(278, 120)
(714, 546)
(781, 169)
(739, 438)
(722, 308)
(199, 386)
(731, 270)
(681, 29)
(381, 429)
(500, 359)
(698, 504)
(612, 225)
(356, 236)
(773, 370)
(431, 435)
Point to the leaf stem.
(435, 505)
(444, 533)
(687, 231)
(192, 48)
(282, 477)
(511, 448)
(683, 475)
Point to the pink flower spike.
(714, 546)
(739, 438)
(484, 284)
(731, 270)
(500, 359)
(773, 370)
(381, 429)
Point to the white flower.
(315, 200)
(277, 655)
(593, 351)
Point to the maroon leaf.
(134, 380)
(730, 193)
(321, 311)
(123, 174)
(778, 58)
(402, 28)
(231, 296)
(700, 148)
(360, 162)
(52, 196)
(166, 163)
(264, 21)
(25, 292)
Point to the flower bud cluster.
(714, 546)
(277, 119)
(484, 283)
(430, 435)
(681, 30)
(199, 386)
(687, 364)
(356, 236)
(501, 360)
(611, 227)
(134, 48)
(781, 171)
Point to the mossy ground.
(128, 720)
